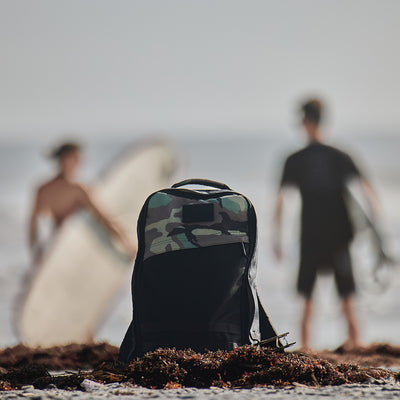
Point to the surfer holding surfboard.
(80, 272)
(321, 173)
(62, 196)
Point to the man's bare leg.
(353, 332)
(305, 324)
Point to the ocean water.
(251, 166)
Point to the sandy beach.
(183, 177)
(246, 373)
(377, 314)
(111, 391)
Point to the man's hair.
(312, 111)
(62, 150)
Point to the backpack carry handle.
(203, 182)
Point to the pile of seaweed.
(243, 367)
(57, 358)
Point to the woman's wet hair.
(312, 111)
(62, 150)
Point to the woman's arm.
(33, 229)
(106, 220)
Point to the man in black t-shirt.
(321, 173)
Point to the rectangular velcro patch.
(198, 212)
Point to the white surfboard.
(379, 277)
(68, 294)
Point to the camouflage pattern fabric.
(165, 231)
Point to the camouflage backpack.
(193, 284)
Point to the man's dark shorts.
(338, 262)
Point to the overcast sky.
(195, 66)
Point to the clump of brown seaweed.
(373, 355)
(246, 366)
(72, 356)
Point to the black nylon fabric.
(201, 298)
(203, 291)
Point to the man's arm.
(353, 174)
(289, 177)
(277, 226)
(371, 197)
(107, 221)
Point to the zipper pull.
(244, 249)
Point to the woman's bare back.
(60, 198)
